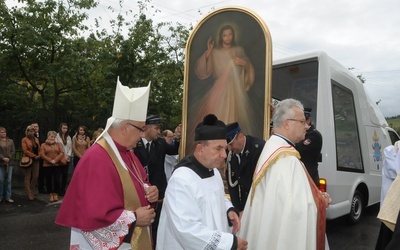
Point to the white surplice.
(281, 214)
(194, 213)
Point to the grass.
(394, 122)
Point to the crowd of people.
(50, 158)
(53, 155)
(141, 208)
(151, 200)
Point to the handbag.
(25, 162)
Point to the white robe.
(283, 214)
(169, 164)
(390, 169)
(194, 213)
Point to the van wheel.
(357, 208)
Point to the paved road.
(30, 225)
(362, 236)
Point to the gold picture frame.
(228, 68)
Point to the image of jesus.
(233, 76)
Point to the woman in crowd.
(96, 134)
(52, 152)
(7, 152)
(80, 143)
(31, 148)
(65, 140)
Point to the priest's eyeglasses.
(140, 129)
(301, 121)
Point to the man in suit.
(310, 148)
(244, 151)
(41, 180)
(151, 151)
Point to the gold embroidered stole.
(283, 152)
(140, 237)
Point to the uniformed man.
(151, 151)
(244, 151)
(310, 148)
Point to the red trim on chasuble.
(321, 208)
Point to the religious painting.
(228, 73)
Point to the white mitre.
(129, 104)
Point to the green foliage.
(394, 122)
(55, 69)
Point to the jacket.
(240, 176)
(155, 161)
(50, 152)
(27, 147)
(8, 151)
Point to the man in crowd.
(285, 210)
(244, 151)
(41, 180)
(170, 160)
(196, 214)
(151, 151)
(107, 201)
(310, 148)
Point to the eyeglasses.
(229, 140)
(140, 129)
(301, 121)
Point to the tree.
(146, 56)
(54, 69)
(44, 56)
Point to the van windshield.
(297, 80)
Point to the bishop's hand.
(151, 194)
(144, 216)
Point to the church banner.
(228, 69)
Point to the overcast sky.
(360, 34)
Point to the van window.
(299, 81)
(393, 136)
(346, 132)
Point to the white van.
(353, 128)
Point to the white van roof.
(372, 112)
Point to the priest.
(196, 214)
(285, 209)
(107, 204)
